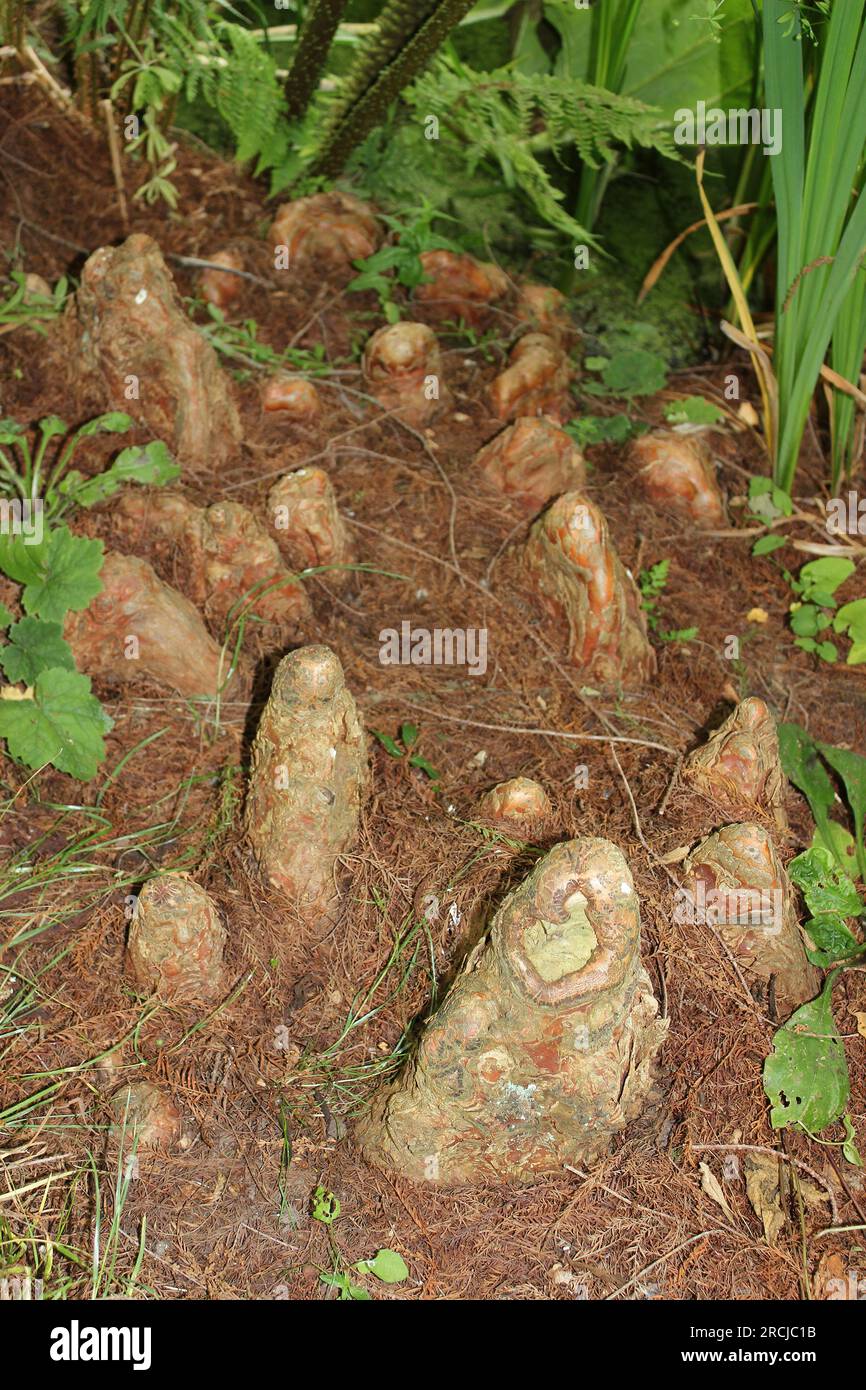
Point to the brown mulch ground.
(224, 1218)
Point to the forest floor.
(269, 1081)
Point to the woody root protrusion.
(403, 370)
(581, 582)
(734, 882)
(308, 780)
(543, 1048)
(738, 768)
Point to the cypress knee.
(308, 779)
(543, 1048)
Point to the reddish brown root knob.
(145, 1117)
(244, 572)
(581, 581)
(735, 882)
(140, 345)
(308, 779)
(677, 475)
(307, 523)
(140, 626)
(176, 940)
(403, 368)
(228, 560)
(739, 767)
(535, 382)
(519, 804)
(545, 310)
(327, 230)
(543, 1048)
(138, 513)
(532, 461)
(460, 287)
(220, 287)
(292, 396)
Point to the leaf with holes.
(806, 1074)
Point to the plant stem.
(317, 31)
(412, 48)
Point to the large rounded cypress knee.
(543, 1048)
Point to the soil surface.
(269, 1081)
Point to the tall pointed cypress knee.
(308, 780)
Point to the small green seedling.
(626, 373)
(602, 429)
(652, 584)
(239, 342)
(385, 1265)
(402, 748)
(27, 475)
(816, 612)
(767, 503)
(693, 410)
(48, 714)
(24, 307)
(400, 263)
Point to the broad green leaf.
(851, 768)
(843, 844)
(52, 426)
(634, 372)
(59, 575)
(804, 620)
(62, 724)
(389, 744)
(802, 765)
(827, 651)
(5, 616)
(114, 422)
(34, 646)
(326, 1206)
(831, 940)
(765, 545)
(806, 1074)
(851, 618)
(148, 464)
(387, 1265)
(825, 574)
(693, 410)
(824, 885)
(408, 734)
(10, 431)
